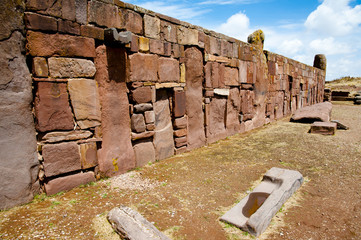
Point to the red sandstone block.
(208, 75)
(61, 158)
(69, 182)
(35, 21)
(156, 46)
(103, 14)
(132, 21)
(68, 9)
(176, 51)
(325, 128)
(143, 67)
(168, 70)
(40, 67)
(180, 132)
(180, 150)
(180, 123)
(138, 123)
(66, 26)
(47, 7)
(179, 103)
(215, 46)
(180, 142)
(142, 95)
(52, 109)
(231, 76)
(134, 45)
(41, 44)
(92, 32)
(272, 68)
(168, 32)
(167, 49)
(88, 155)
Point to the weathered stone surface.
(46, 45)
(217, 120)
(138, 123)
(129, 224)
(221, 91)
(35, 21)
(180, 150)
(168, 32)
(143, 67)
(317, 112)
(180, 142)
(179, 103)
(133, 21)
(68, 182)
(149, 117)
(18, 157)
(320, 62)
(88, 155)
(215, 46)
(242, 71)
(324, 128)
(233, 108)
(84, 98)
(81, 11)
(194, 97)
(144, 153)
(163, 137)
(151, 127)
(143, 107)
(61, 158)
(142, 95)
(180, 133)
(92, 32)
(54, 137)
(181, 122)
(143, 44)
(96, 10)
(187, 36)
(40, 67)
(142, 135)
(71, 67)
(168, 70)
(66, 26)
(257, 39)
(156, 46)
(231, 76)
(52, 109)
(116, 155)
(151, 27)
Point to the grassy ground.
(184, 196)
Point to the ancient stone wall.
(103, 106)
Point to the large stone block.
(144, 153)
(180, 123)
(143, 67)
(142, 95)
(168, 70)
(187, 36)
(194, 97)
(84, 98)
(68, 182)
(61, 158)
(156, 46)
(96, 14)
(242, 71)
(215, 46)
(133, 21)
(233, 108)
(179, 103)
(81, 11)
(168, 32)
(35, 21)
(116, 155)
(151, 27)
(54, 137)
(45, 7)
(46, 45)
(231, 76)
(88, 155)
(92, 32)
(138, 123)
(217, 119)
(66, 26)
(52, 109)
(71, 68)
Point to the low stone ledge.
(324, 128)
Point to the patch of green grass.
(54, 203)
(73, 201)
(164, 184)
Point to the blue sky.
(298, 29)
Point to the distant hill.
(350, 84)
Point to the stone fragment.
(167, 49)
(35, 21)
(143, 107)
(151, 27)
(317, 112)
(111, 35)
(168, 85)
(194, 97)
(221, 91)
(84, 98)
(61, 158)
(144, 153)
(181, 122)
(92, 32)
(180, 133)
(179, 103)
(168, 70)
(66, 26)
(149, 117)
(142, 135)
(231, 76)
(52, 109)
(71, 67)
(68, 182)
(46, 45)
(96, 10)
(138, 123)
(40, 67)
(54, 137)
(142, 95)
(116, 155)
(187, 36)
(156, 46)
(324, 128)
(180, 141)
(143, 67)
(88, 155)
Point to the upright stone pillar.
(320, 61)
(18, 157)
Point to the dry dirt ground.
(184, 196)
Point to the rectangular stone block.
(180, 123)
(96, 14)
(179, 103)
(144, 44)
(46, 45)
(88, 155)
(61, 158)
(149, 117)
(180, 142)
(138, 123)
(40, 67)
(242, 71)
(144, 153)
(143, 67)
(324, 128)
(151, 27)
(187, 36)
(81, 11)
(156, 46)
(68, 10)
(180, 133)
(231, 76)
(68, 182)
(92, 32)
(168, 70)
(35, 21)
(71, 67)
(142, 95)
(66, 26)
(168, 32)
(132, 21)
(215, 46)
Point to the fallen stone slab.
(129, 224)
(325, 128)
(254, 212)
(340, 125)
(317, 112)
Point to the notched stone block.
(111, 35)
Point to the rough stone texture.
(324, 128)
(46, 45)
(309, 114)
(156, 46)
(163, 137)
(133, 21)
(88, 155)
(61, 158)
(179, 103)
(81, 13)
(231, 76)
(180, 142)
(233, 108)
(129, 224)
(116, 155)
(143, 135)
(186, 36)
(143, 107)
(180, 133)
(18, 159)
(138, 123)
(217, 119)
(181, 122)
(151, 27)
(52, 109)
(84, 98)
(168, 70)
(257, 38)
(66, 26)
(96, 10)
(71, 68)
(92, 32)
(142, 95)
(143, 44)
(320, 61)
(194, 97)
(168, 32)
(144, 153)
(40, 67)
(54, 137)
(68, 182)
(149, 117)
(143, 67)
(35, 21)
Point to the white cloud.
(237, 26)
(334, 18)
(329, 46)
